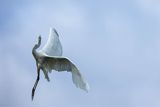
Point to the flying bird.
(50, 58)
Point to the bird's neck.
(34, 52)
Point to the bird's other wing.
(59, 63)
(53, 46)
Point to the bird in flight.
(50, 58)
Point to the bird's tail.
(78, 79)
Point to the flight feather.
(59, 63)
(53, 46)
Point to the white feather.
(60, 63)
(53, 46)
(78, 80)
(50, 58)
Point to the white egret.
(50, 58)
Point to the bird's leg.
(35, 85)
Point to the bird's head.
(39, 39)
(38, 44)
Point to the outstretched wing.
(63, 64)
(53, 46)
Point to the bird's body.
(50, 58)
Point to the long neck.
(34, 52)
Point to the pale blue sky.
(115, 44)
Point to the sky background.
(114, 43)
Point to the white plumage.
(50, 58)
(53, 46)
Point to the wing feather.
(53, 46)
(64, 64)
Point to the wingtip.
(87, 87)
(53, 30)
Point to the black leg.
(35, 85)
